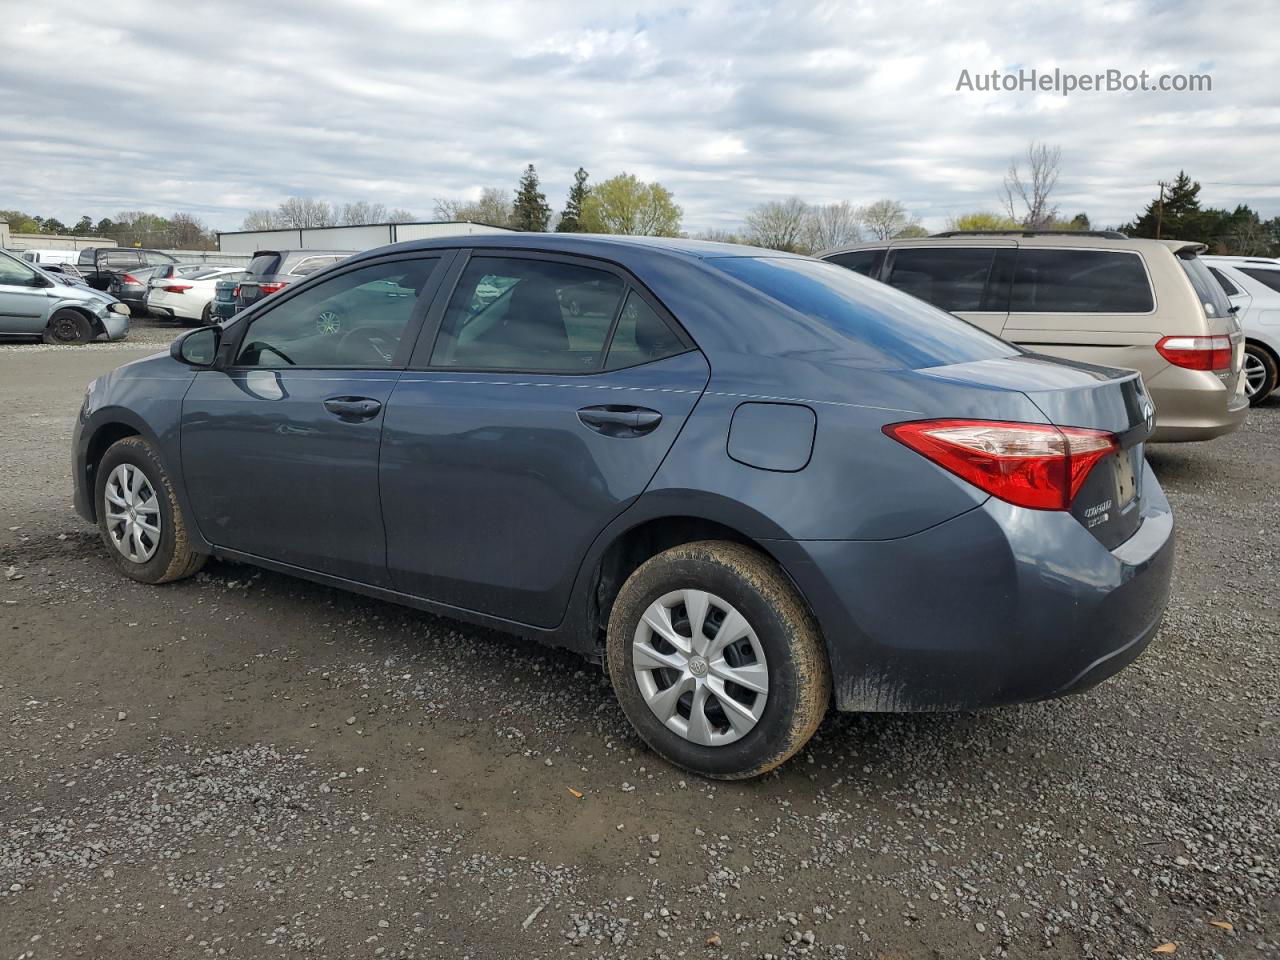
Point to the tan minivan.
(1099, 297)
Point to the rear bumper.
(1194, 405)
(998, 605)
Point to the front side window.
(523, 314)
(865, 262)
(1268, 278)
(951, 278)
(354, 320)
(1080, 281)
(14, 273)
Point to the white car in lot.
(188, 295)
(1253, 285)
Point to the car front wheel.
(716, 661)
(139, 517)
(66, 327)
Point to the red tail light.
(177, 288)
(1197, 353)
(1027, 464)
(130, 278)
(236, 292)
(266, 288)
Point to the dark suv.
(101, 266)
(272, 270)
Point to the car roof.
(605, 246)
(1233, 260)
(1065, 239)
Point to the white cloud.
(218, 108)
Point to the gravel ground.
(248, 765)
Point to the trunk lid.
(1069, 394)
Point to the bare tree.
(779, 224)
(716, 235)
(298, 212)
(493, 207)
(362, 212)
(885, 219)
(188, 232)
(1026, 196)
(400, 215)
(259, 220)
(833, 224)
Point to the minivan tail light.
(1033, 465)
(1197, 353)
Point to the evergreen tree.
(571, 219)
(1178, 216)
(530, 211)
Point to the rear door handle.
(353, 409)
(614, 420)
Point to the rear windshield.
(895, 330)
(264, 264)
(1212, 297)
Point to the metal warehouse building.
(347, 238)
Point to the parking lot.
(244, 764)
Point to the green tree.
(571, 218)
(53, 225)
(20, 222)
(530, 211)
(83, 227)
(1178, 216)
(982, 220)
(626, 205)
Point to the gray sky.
(223, 108)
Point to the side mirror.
(199, 348)
(40, 281)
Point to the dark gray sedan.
(749, 483)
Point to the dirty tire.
(1268, 362)
(799, 673)
(67, 327)
(206, 315)
(174, 559)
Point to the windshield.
(894, 330)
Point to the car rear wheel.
(138, 515)
(716, 661)
(206, 315)
(1261, 373)
(68, 326)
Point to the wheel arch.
(621, 550)
(95, 322)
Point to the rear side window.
(641, 336)
(1212, 297)
(123, 258)
(883, 328)
(519, 314)
(865, 262)
(1080, 281)
(264, 264)
(1268, 278)
(951, 278)
(1229, 288)
(305, 268)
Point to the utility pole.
(1160, 210)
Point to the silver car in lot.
(34, 303)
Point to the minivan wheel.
(68, 326)
(1261, 373)
(716, 661)
(138, 515)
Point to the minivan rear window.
(894, 331)
(1212, 297)
(865, 262)
(263, 265)
(1080, 281)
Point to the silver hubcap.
(1255, 375)
(133, 513)
(700, 667)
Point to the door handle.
(353, 409)
(614, 420)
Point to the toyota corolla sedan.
(751, 484)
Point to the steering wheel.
(373, 343)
